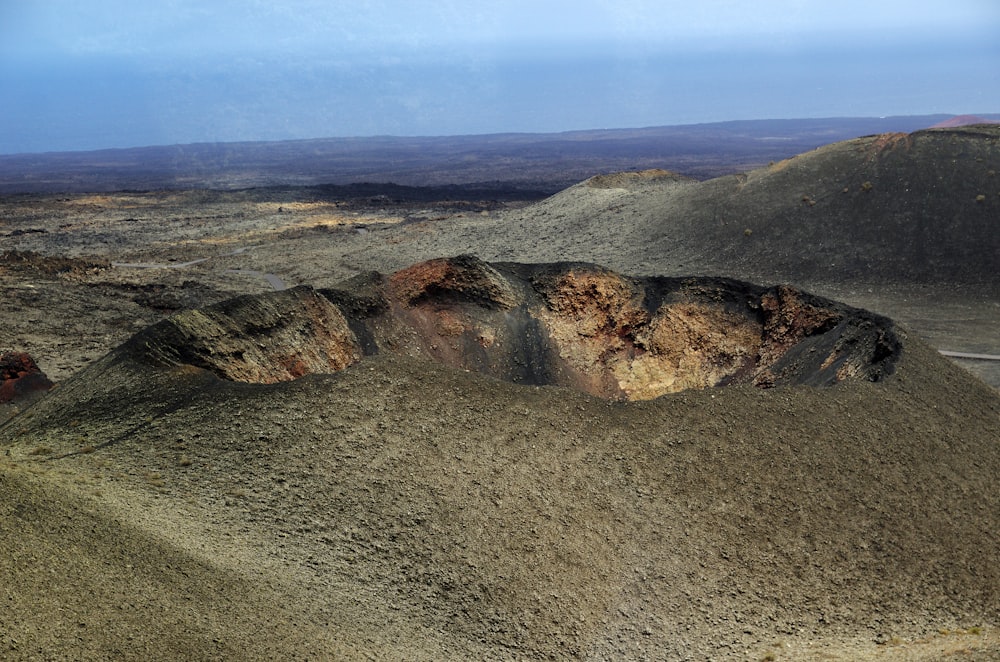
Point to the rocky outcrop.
(461, 279)
(572, 324)
(807, 339)
(262, 339)
(20, 377)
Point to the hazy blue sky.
(87, 74)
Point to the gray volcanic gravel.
(404, 509)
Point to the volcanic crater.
(567, 324)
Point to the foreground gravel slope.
(405, 509)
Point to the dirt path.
(967, 355)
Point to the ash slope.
(889, 209)
(400, 507)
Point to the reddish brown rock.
(20, 377)
(574, 325)
(462, 278)
(614, 336)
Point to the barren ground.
(200, 247)
(214, 529)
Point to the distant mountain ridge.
(529, 162)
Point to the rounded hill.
(892, 208)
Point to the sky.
(95, 74)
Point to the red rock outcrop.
(441, 281)
(618, 337)
(575, 325)
(20, 377)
